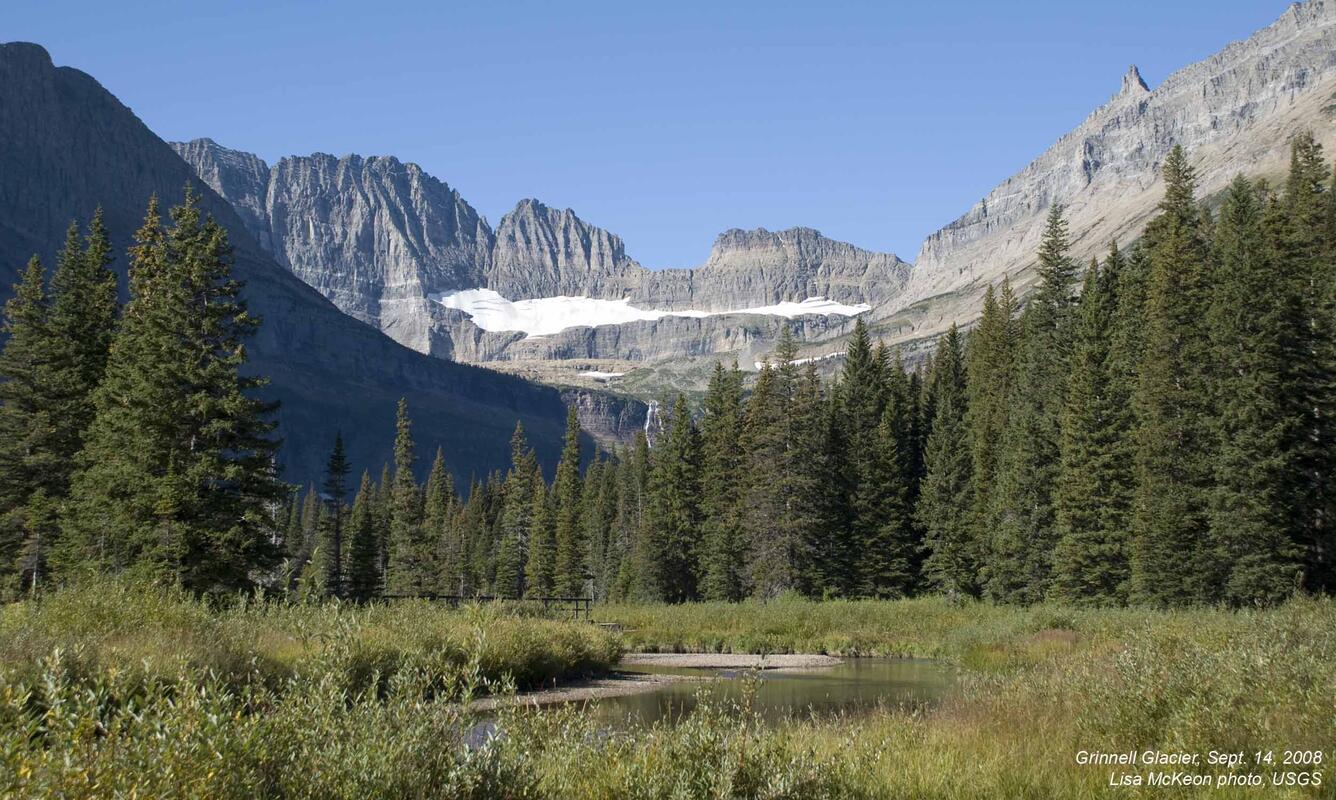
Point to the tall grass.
(1037, 685)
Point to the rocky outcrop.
(546, 252)
(1233, 112)
(377, 236)
(69, 147)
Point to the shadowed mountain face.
(377, 237)
(69, 146)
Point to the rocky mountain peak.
(1133, 83)
(544, 252)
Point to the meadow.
(136, 692)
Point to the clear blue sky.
(664, 122)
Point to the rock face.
(1233, 112)
(377, 236)
(69, 146)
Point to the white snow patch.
(547, 315)
(600, 376)
(801, 361)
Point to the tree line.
(1161, 433)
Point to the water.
(854, 686)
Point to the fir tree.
(672, 521)
(540, 577)
(721, 466)
(408, 570)
(991, 365)
(25, 454)
(1091, 496)
(953, 552)
(81, 325)
(1025, 529)
(1172, 559)
(364, 578)
(439, 533)
(571, 565)
(336, 495)
(1249, 507)
(516, 519)
(176, 475)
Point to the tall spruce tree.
(1092, 493)
(721, 467)
(1253, 463)
(953, 555)
(572, 557)
(364, 579)
(670, 542)
(990, 355)
(540, 569)
(336, 496)
(26, 457)
(1172, 559)
(1025, 529)
(409, 570)
(176, 475)
(516, 518)
(438, 531)
(81, 326)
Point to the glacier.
(544, 316)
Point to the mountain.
(1233, 112)
(384, 242)
(70, 147)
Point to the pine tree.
(1092, 493)
(990, 355)
(1305, 238)
(1254, 469)
(572, 558)
(953, 558)
(1172, 558)
(1025, 529)
(668, 550)
(632, 501)
(364, 578)
(516, 519)
(176, 476)
(438, 529)
(336, 495)
(598, 511)
(540, 579)
(81, 325)
(25, 454)
(861, 397)
(408, 571)
(721, 467)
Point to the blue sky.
(875, 122)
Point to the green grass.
(267, 700)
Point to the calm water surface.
(854, 686)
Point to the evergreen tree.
(336, 495)
(26, 458)
(439, 536)
(953, 552)
(669, 545)
(81, 326)
(1254, 469)
(540, 579)
(1092, 493)
(516, 518)
(176, 475)
(1025, 529)
(722, 461)
(991, 365)
(1172, 559)
(572, 558)
(364, 578)
(409, 570)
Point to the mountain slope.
(535, 252)
(70, 146)
(1233, 112)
